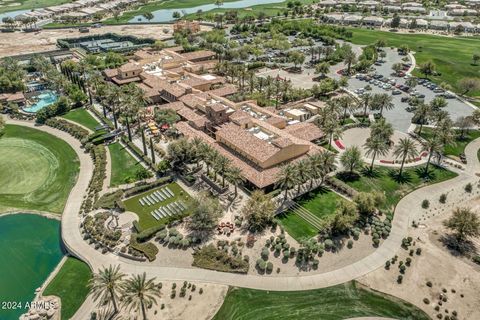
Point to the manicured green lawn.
(385, 180)
(37, 170)
(30, 4)
(81, 116)
(321, 202)
(124, 165)
(452, 56)
(146, 220)
(71, 285)
(334, 303)
(459, 146)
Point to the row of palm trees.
(196, 150)
(136, 293)
(314, 168)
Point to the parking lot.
(399, 116)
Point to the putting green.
(31, 165)
(37, 170)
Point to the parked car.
(396, 92)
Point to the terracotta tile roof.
(224, 91)
(261, 178)
(130, 66)
(305, 130)
(217, 107)
(253, 147)
(240, 116)
(110, 73)
(192, 100)
(201, 54)
(276, 120)
(121, 81)
(282, 142)
(177, 105)
(188, 114)
(174, 89)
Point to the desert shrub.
(399, 278)
(350, 244)
(265, 253)
(468, 187)
(426, 301)
(419, 251)
(443, 198)
(425, 204)
(387, 265)
(429, 284)
(210, 257)
(328, 244)
(261, 264)
(269, 266)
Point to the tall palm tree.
(405, 149)
(365, 101)
(211, 156)
(421, 115)
(332, 129)
(234, 175)
(304, 173)
(197, 145)
(375, 146)
(138, 292)
(221, 166)
(287, 178)
(106, 285)
(349, 59)
(347, 104)
(382, 101)
(432, 145)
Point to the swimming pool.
(45, 99)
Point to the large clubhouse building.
(259, 141)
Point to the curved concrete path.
(405, 209)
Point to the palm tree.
(347, 104)
(421, 115)
(349, 59)
(321, 164)
(138, 292)
(287, 178)
(331, 128)
(211, 156)
(221, 166)
(304, 172)
(234, 175)
(432, 145)
(106, 284)
(382, 101)
(365, 101)
(351, 159)
(375, 146)
(405, 149)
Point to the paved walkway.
(405, 210)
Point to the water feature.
(30, 248)
(165, 15)
(44, 99)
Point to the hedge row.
(147, 248)
(99, 157)
(68, 127)
(147, 186)
(340, 186)
(112, 200)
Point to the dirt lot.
(22, 43)
(459, 276)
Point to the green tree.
(421, 115)
(427, 68)
(138, 293)
(375, 146)
(405, 149)
(176, 15)
(468, 85)
(349, 59)
(287, 178)
(382, 101)
(345, 216)
(205, 215)
(296, 57)
(351, 159)
(148, 15)
(106, 286)
(368, 202)
(465, 223)
(322, 68)
(259, 210)
(235, 177)
(432, 145)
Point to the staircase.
(308, 216)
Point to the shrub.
(315, 263)
(269, 266)
(443, 198)
(148, 249)
(328, 244)
(265, 253)
(426, 301)
(376, 242)
(261, 264)
(419, 251)
(387, 265)
(429, 284)
(468, 187)
(402, 268)
(350, 244)
(209, 257)
(399, 278)
(425, 204)
(200, 291)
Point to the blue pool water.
(165, 15)
(44, 99)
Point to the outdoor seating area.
(169, 210)
(156, 197)
(225, 228)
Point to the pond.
(165, 15)
(44, 99)
(31, 248)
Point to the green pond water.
(30, 248)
